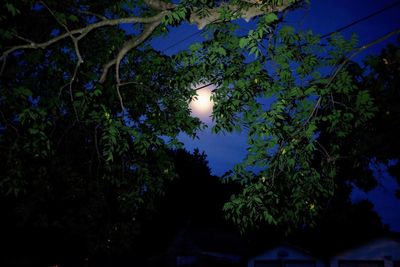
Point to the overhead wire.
(183, 40)
(373, 14)
(347, 26)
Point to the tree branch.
(77, 53)
(106, 67)
(256, 9)
(159, 5)
(344, 63)
(246, 13)
(359, 50)
(85, 12)
(129, 45)
(81, 32)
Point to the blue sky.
(324, 16)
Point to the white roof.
(377, 249)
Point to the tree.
(67, 118)
(382, 79)
(85, 102)
(193, 200)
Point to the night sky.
(224, 150)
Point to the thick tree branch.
(106, 67)
(129, 45)
(81, 32)
(246, 13)
(159, 5)
(256, 9)
(201, 22)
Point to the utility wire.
(367, 17)
(183, 40)
(373, 14)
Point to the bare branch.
(77, 52)
(344, 63)
(23, 39)
(134, 42)
(86, 12)
(3, 65)
(359, 50)
(84, 31)
(129, 45)
(78, 63)
(106, 67)
(152, 23)
(314, 111)
(201, 22)
(54, 15)
(324, 151)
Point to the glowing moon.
(202, 105)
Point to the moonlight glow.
(202, 105)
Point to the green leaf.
(243, 42)
(73, 18)
(23, 92)
(270, 17)
(12, 9)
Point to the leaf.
(23, 91)
(243, 42)
(73, 18)
(270, 17)
(12, 9)
(79, 94)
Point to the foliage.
(382, 79)
(95, 111)
(66, 146)
(287, 105)
(328, 143)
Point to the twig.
(93, 14)
(77, 52)
(343, 64)
(3, 65)
(96, 143)
(344, 105)
(55, 17)
(23, 39)
(324, 150)
(359, 50)
(333, 101)
(313, 111)
(82, 32)
(78, 63)
(127, 83)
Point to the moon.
(202, 105)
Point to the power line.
(373, 14)
(183, 40)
